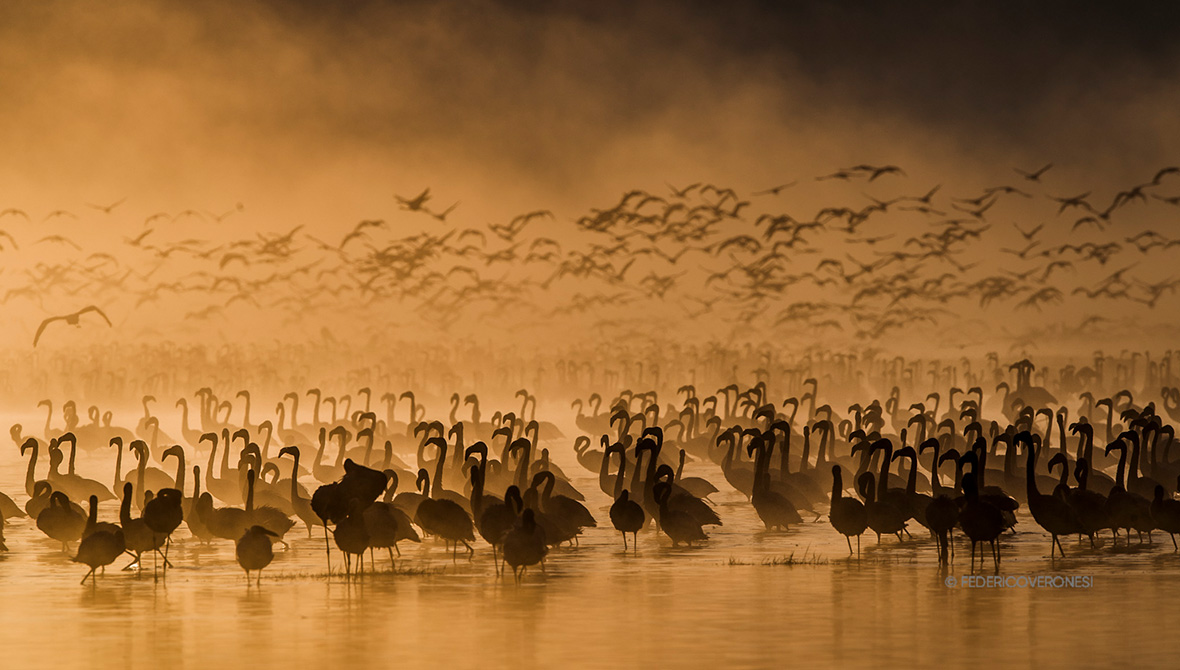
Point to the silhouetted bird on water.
(254, 550)
(981, 521)
(1052, 513)
(1165, 512)
(61, 521)
(163, 515)
(627, 516)
(138, 536)
(525, 545)
(679, 526)
(352, 536)
(846, 514)
(99, 549)
(444, 518)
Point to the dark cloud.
(558, 94)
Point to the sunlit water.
(748, 598)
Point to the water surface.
(748, 598)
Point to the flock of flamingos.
(370, 471)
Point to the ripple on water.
(745, 599)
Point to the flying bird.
(107, 209)
(441, 216)
(59, 212)
(776, 190)
(1030, 234)
(875, 171)
(223, 216)
(71, 319)
(1033, 176)
(683, 192)
(1163, 173)
(414, 204)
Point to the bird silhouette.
(254, 551)
(71, 319)
(107, 209)
(1033, 175)
(414, 204)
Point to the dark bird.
(1051, 512)
(678, 525)
(776, 190)
(839, 174)
(525, 544)
(414, 204)
(71, 319)
(1033, 176)
(59, 239)
(223, 216)
(61, 521)
(1165, 512)
(875, 171)
(683, 192)
(164, 513)
(1029, 235)
(627, 516)
(5, 233)
(847, 515)
(442, 216)
(99, 549)
(137, 241)
(1073, 201)
(107, 209)
(980, 520)
(1155, 181)
(59, 212)
(254, 551)
(352, 536)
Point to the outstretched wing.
(92, 308)
(41, 328)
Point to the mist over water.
(789, 238)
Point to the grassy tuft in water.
(324, 576)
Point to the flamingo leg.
(327, 549)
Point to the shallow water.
(747, 598)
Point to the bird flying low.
(72, 319)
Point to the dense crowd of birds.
(847, 276)
(374, 470)
(860, 267)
